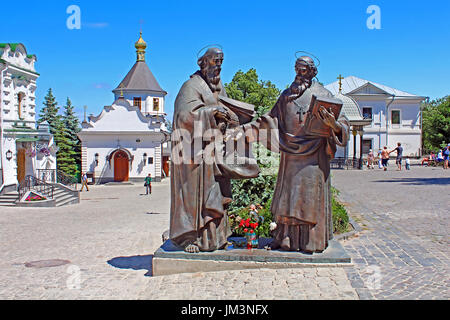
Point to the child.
(407, 164)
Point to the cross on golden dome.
(340, 78)
(140, 45)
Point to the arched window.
(155, 104)
(137, 102)
(20, 98)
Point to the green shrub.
(340, 217)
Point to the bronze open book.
(313, 125)
(243, 110)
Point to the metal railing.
(31, 183)
(67, 180)
(56, 176)
(46, 175)
(343, 163)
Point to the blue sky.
(410, 52)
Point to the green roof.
(27, 140)
(13, 47)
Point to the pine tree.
(50, 112)
(65, 157)
(72, 126)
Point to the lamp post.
(9, 155)
(145, 158)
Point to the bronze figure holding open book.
(305, 129)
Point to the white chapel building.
(129, 139)
(25, 147)
(384, 115)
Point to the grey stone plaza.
(106, 245)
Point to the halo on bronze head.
(308, 54)
(209, 47)
(306, 60)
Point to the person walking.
(445, 155)
(380, 162)
(84, 181)
(384, 158)
(407, 164)
(370, 159)
(398, 160)
(148, 184)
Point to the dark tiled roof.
(139, 78)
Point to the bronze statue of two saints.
(211, 145)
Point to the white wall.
(408, 133)
(104, 144)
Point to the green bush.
(340, 217)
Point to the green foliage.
(340, 217)
(248, 88)
(263, 95)
(50, 112)
(436, 124)
(63, 129)
(72, 126)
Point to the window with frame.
(367, 113)
(20, 98)
(137, 102)
(395, 117)
(155, 104)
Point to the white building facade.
(127, 140)
(394, 115)
(25, 148)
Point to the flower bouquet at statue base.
(249, 228)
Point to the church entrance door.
(121, 169)
(166, 166)
(20, 165)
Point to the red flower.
(251, 231)
(245, 230)
(241, 224)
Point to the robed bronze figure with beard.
(301, 204)
(200, 175)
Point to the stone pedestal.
(170, 259)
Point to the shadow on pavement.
(134, 262)
(419, 181)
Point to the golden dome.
(141, 44)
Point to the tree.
(263, 95)
(248, 88)
(65, 157)
(436, 124)
(50, 112)
(72, 126)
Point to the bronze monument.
(302, 127)
(301, 204)
(200, 177)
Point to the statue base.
(171, 259)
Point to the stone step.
(63, 197)
(66, 202)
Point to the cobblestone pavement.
(403, 252)
(109, 239)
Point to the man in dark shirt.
(398, 160)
